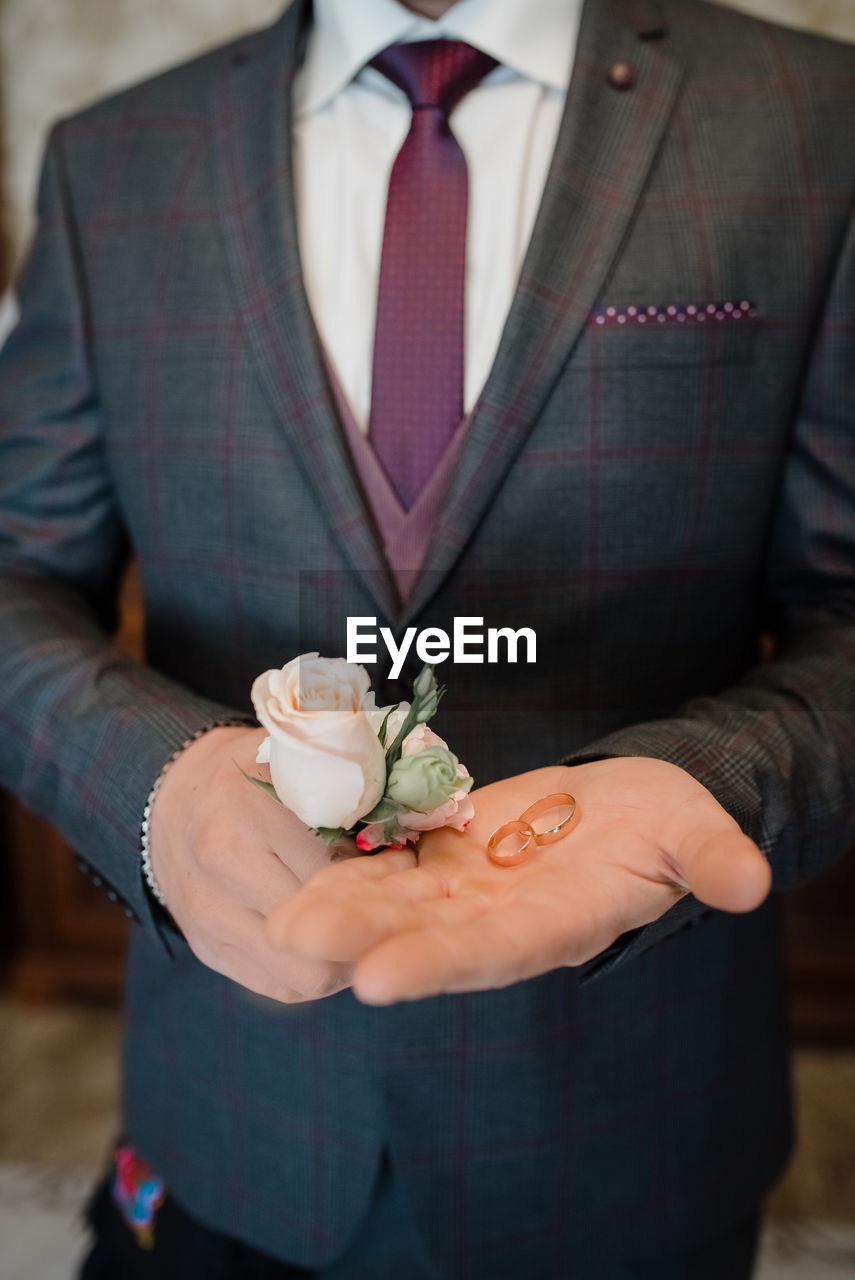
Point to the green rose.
(424, 781)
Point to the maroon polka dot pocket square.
(639, 314)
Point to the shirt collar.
(536, 40)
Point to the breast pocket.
(658, 376)
(669, 335)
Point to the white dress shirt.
(349, 124)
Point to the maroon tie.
(417, 379)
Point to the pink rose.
(408, 824)
(457, 812)
(374, 837)
(419, 739)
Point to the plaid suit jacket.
(654, 474)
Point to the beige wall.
(56, 55)
(832, 17)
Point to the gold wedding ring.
(558, 800)
(521, 853)
(522, 827)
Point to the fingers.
(374, 866)
(265, 883)
(506, 945)
(290, 979)
(338, 926)
(345, 909)
(296, 984)
(725, 869)
(321, 928)
(248, 872)
(298, 847)
(234, 944)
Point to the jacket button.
(622, 75)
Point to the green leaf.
(382, 734)
(385, 808)
(329, 835)
(267, 787)
(393, 755)
(426, 695)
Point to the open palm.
(448, 920)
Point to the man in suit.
(645, 455)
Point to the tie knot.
(434, 73)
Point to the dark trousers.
(387, 1247)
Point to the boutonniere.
(347, 767)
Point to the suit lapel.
(258, 216)
(606, 145)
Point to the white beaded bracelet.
(145, 848)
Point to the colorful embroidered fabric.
(139, 1193)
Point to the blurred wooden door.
(69, 938)
(819, 932)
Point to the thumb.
(725, 869)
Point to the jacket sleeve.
(84, 730)
(777, 750)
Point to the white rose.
(325, 759)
